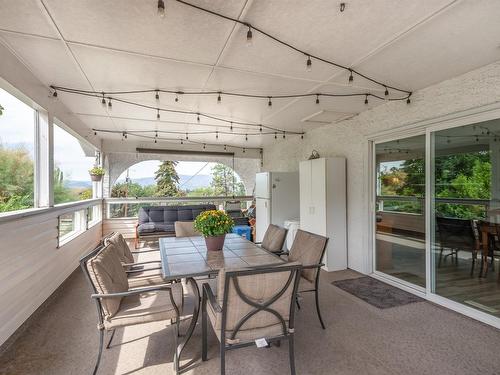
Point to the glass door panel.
(465, 217)
(400, 211)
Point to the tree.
(16, 179)
(167, 180)
(225, 182)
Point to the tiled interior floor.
(419, 338)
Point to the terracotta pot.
(96, 177)
(215, 243)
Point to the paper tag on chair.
(261, 343)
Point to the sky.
(17, 127)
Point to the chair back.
(457, 233)
(274, 238)
(121, 246)
(185, 229)
(257, 303)
(308, 249)
(106, 274)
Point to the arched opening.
(156, 178)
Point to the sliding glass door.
(465, 217)
(400, 214)
(449, 244)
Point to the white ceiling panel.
(464, 37)
(318, 27)
(133, 25)
(47, 59)
(25, 16)
(112, 70)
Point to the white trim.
(401, 284)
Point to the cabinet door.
(318, 196)
(305, 194)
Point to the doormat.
(376, 293)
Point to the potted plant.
(214, 225)
(96, 173)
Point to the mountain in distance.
(185, 182)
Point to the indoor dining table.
(188, 258)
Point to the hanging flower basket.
(96, 174)
(214, 225)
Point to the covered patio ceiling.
(124, 45)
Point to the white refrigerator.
(276, 200)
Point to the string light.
(269, 103)
(158, 114)
(231, 127)
(103, 101)
(216, 135)
(176, 98)
(386, 92)
(204, 146)
(219, 99)
(308, 64)
(260, 128)
(408, 101)
(161, 8)
(284, 136)
(54, 93)
(317, 99)
(302, 136)
(157, 95)
(156, 141)
(244, 150)
(351, 77)
(288, 45)
(182, 142)
(110, 105)
(187, 136)
(198, 118)
(246, 137)
(95, 133)
(366, 99)
(249, 36)
(275, 135)
(225, 148)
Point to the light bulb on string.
(157, 95)
(187, 136)
(244, 150)
(366, 99)
(249, 36)
(269, 103)
(54, 94)
(216, 135)
(161, 8)
(110, 105)
(275, 135)
(198, 118)
(225, 148)
(182, 142)
(308, 64)
(317, 99)
(284, 136)
(204, 146)
(260, 128)
(246, 137)
(351, 77)
(408, 101)
(219, 98)
(103, 101)
(386, 92)
(176, 98)
(231, 127)
(158, 114)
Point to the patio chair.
(309, 249)
(119, 306)
(457, 235)
(274, 239)
(251, 304)
(185, 229)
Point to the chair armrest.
(140, 263)
(319, 265)
(132, 292)
(208, 295)
(143, 269)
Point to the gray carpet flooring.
(418, 338)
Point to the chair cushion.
(307, 249)
(108, 276)
(123, 250)
(274, 238)
(146, 228)
(170, 215)
(156, 214)
(147, 307)
(185, 214)
(164, 227)
(185, 229)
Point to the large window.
(72, 161)
(17, 127)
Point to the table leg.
(192, 325)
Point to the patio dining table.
(188, 258)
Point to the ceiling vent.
(327, 117)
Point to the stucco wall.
(349, 139)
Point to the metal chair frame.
(287, 333)
(100, 312)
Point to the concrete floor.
(419, 338)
